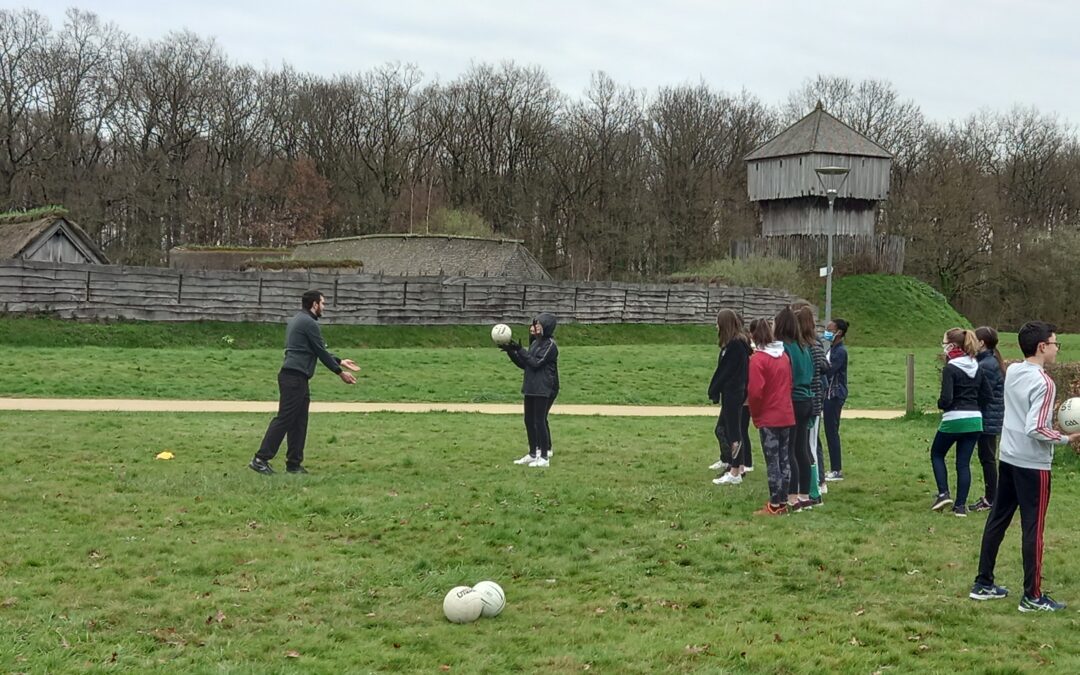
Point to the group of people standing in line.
(981, 401)
(779, 374)
(782, 377)
(785, 379)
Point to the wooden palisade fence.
(100, 292)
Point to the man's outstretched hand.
(350, 364)
(347, 377)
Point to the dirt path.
(155, 405)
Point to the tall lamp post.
(832, 178)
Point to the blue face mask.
(828, 335)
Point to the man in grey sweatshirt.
(303, 345)
(1027, 452)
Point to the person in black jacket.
(836, 392)
(540, 385)
(303, 345)
(728, 388)
(993, 414)
(964, 392)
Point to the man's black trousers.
(291, 419)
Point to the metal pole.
(828, 261)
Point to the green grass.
(618, 374)
(621, 557)
(49, 332)
(892, 311)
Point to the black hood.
(548, 323)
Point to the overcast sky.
(952, 57)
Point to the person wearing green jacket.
(787, 331)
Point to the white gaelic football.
(462, 605)
(500, 334)
(1069, 416)
(492, 595)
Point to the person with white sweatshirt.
(1026, 455)
(964, 392)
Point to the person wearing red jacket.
(769, 397)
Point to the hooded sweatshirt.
(729, 381)
(964, 392)
(769, 387)
(540, 361)
(1027, 435)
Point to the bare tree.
(24, 39)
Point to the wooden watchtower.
(782, 180)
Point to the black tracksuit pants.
(1028, 490)
(291, 419)
(536, 424)
(733, 425)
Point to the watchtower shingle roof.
(818, 132)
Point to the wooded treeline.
(150, 144)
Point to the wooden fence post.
(910, 383)
(180, 288)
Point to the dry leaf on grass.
(292, 654)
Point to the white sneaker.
(539, 461)
(551, 453)
(527, 459)
(747, 469)
(719, 465)
(727, 479)
(823, 488)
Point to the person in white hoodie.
(1026, 455)
(964, 392)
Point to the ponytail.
(989, 338)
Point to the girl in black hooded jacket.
(540, 385)
(728, 388)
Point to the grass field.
(667, 374)
(621, 557)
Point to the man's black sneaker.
(982, 505)
(984, 592)
(261, 465)
(1043, 603)
(960, 511)
(295, 469)
(941, 501)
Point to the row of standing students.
(783, 378)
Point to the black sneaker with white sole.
(984, 592)
(941, 501)
(261, 466)
(1043, 603)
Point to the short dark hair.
(1032, 334)
(841, 325)
(310, 298)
